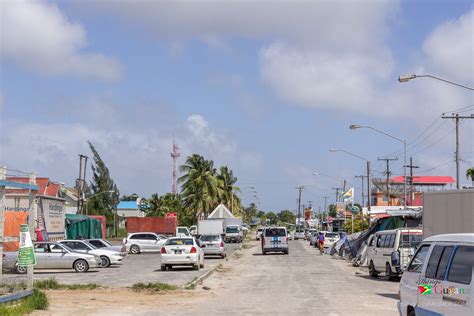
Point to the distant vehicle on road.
(309, 233)
(299, 234)
(105, 244)
(52, 255)
(330, 238)
(179, 251)
(275, 239)
(258, 233)
(290, 235)
(143, 242)
(213, 245)
(439, 279)
(313, 241)
(391, 250)
(108, 257)
(233, 233)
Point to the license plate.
(177, 252)
(275, 239)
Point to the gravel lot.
(144, 267)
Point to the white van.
(391, 250)
(274, 239)
(439, 278)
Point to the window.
(384, 241)
(77, 246)
(416, 264)
(232, 229)
(372, 241)
(379, 241)
(179, 242)
(434, 261)
(275, 232)
(149, 237)
(97, 243)
(210, 238)
(391, 243)
(461, 267)
(137, 236)
(443, 263)
(410, 240)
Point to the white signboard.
(53, 212)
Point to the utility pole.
(344, 186)
(337, 193)
(362, 177)
(80, 183)
(300, 189)
(387, 160)
(411, 166)
(457, 118)
(175, 155)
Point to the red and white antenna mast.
(175, 155)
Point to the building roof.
(46, 187)
(127, 205)
(420, 180)
(220, 212)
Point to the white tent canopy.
(221, 212)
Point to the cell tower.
(175, 155)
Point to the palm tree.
(199, 184)
(227, 189)
(470, 174)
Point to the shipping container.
(448, 212)
(159, 225)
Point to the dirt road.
(251, 284)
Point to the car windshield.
(90, 245)
(331, 235)
(232, 229)
(410, 240)
(106, 242)
(179, 242)
(275, 232)
(210, 238)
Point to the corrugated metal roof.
(426, 179)
(127, 205)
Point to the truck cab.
(233, 233)
(182, 231)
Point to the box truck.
(211, 227)
(448, 212)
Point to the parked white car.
(213, 245)
(439, 278)
(330, 238)
(105, 244)
(107, 257)
(51, 255)
(391, 250)
(181, 251)
(299, 234)
(144, 242)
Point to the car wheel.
(196, 267)
(135, 249)
(411, 311)
(20, 269)
(105, 262)
(264, 253)
(202, 265)
(169, 267)
(287, 252)
(163, 268)
(389, 275)
(372, 272)
(81, 266)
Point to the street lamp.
(406, 78)
(404, 156)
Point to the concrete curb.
(201, 278)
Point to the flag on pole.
(348, 195)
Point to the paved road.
(304, 283)
(144, 267)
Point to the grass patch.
(37, 300)
(153, 287)
(52, 284)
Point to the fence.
(11, 217)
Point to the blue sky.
(265, 88)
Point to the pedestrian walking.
(321, 243)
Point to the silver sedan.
(51, 255)
(213, 245)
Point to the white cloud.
(450, 48)
(37, 36)
(135, 147)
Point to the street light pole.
(406, 78)
(404, 157)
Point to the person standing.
(321, 243)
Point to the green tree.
(199, 185)
(287, 216)
(158, 206)
(152, 207)
(360, 224)
(332, 210)
(250, 213)
(102, 191)
(470, 174)
(132, 197)
(272, 218)
(227, 191)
